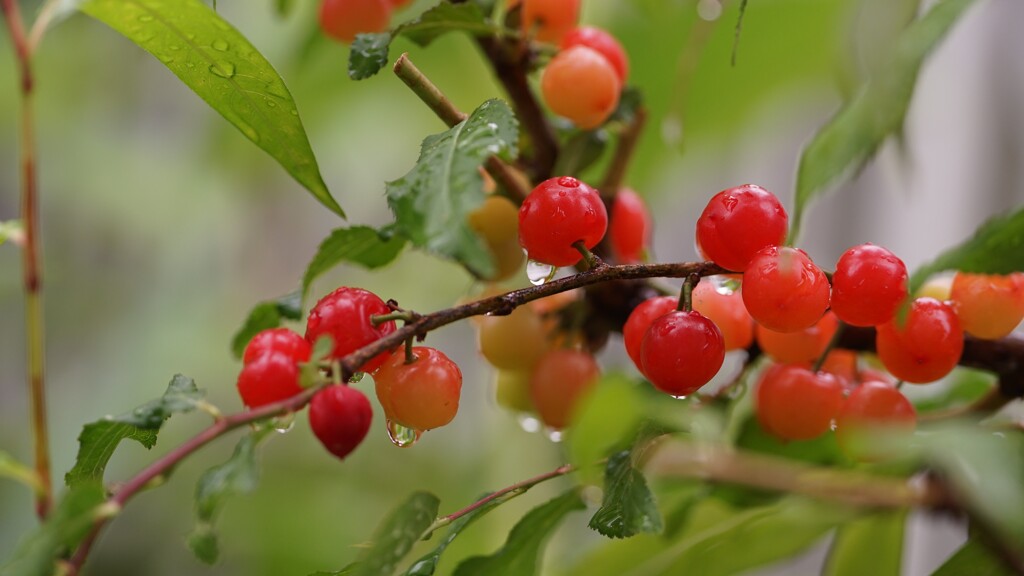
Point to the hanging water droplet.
(553, 435)
(726, 285)
(528, 423)
(539, 272)
(283, 424)
(223, 69)
(679, 397)
(401, 436)
(219, 44)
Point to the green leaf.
(628, 507)
(965, 386)
(581, 151)
(869, 545)
(521, 552)
(264, 316)
(346, 571)
(427, 565)
(238, 475)
(10, 229)
(997, 247)
(973, 559)
(359, 245)
(606, 418)
(370, 51)
(432, 201)
(765, 534)
(877, 111)
(284, 7)
(11, 468)
(396, 535)
(217, 62)
(66, 526)
(99, 439)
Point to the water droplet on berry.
(539, 272)
(725, 285)
(568, 182)
(528, 423)
(401, 436)
(680, 397)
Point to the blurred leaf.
(238, 475)
(99, 439)
(266, 315)
(521, 552)
(346, 571)
(427, 565)
(581, 151)
(630, 101)
(973, 559)
(284, 7)
(872, 30)
(432, 201)
(987, 473)
(821, 450)
(765, 534)
(997, 247)
(11, 468)
(869, 545)
(10, 229)
(965, 386)
(66, 526)
(628, 507)
(605, 420)
(396, 535)
(217, 62)
(370, 51)
(359, 245)
(877, 111)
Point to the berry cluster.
(418, 390)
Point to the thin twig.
(31, 259)
(628, 140)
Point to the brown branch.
(431, 95)
(31, 258)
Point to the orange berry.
(582, 86)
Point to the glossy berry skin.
(281, 340)
(868, 285)
(873, 407)
(270, 377)
(630, 227)
(497, 223)
(640, 320)
(557, 213)
(681, 352)
(581, 85)
(344, 315)
(343, 19)
(559, 381)
(512, 390)
(737, 223)
(602, 42)
(340, 417)
(421, 395)
(794, 403)
(784, 290)
(989, 306)
(802, 347)
(515, 341)
(727, 311)
(926, 347)
(548, 20)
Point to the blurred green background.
(163, 226)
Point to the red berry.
(344, 315)
(340, 418)
(630, 227)
(989, 306)
(868, 286)
(423, 394)
(737, 223)
(640, 320)
(727, 311)
(681, 352)
(343, 19)
(604, 43)
(549, 20)
(802, 347)
(280, 340)
(270, 377)
(558, 213)
(783, 289)
(926, 347)
(559, 381)
(873, 407)
(794, 403)
(581, 85)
